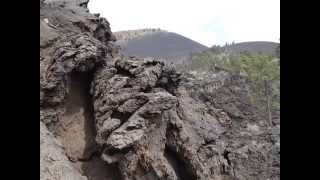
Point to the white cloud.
(206, 21)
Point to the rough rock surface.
(106, 116)
(73, 43)
(54, 163)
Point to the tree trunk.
(269, 109)
(268, 96)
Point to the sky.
(210, 22)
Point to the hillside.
(158, 44)
(264, 47)
(125, 36)
(172, 47)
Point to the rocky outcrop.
(73, 43)
(198, 129)
(130, 111)
(239, 144)
(106, 116)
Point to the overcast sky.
(206, 21)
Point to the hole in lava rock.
(124, 72)
(225, 155)
(120, 115)
(179, 166)
(77, 132)
(97, 169)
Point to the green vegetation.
(262, 71)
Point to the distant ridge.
(134, 34)
(265, 47)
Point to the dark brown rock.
(137, 118)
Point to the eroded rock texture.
(131, 112)
(202, 129)
(53, 162)
(73, 44)
(104, 116)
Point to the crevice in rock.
(83, 27)
(77, 132)
(112, 151)
(91, 156)
(225, 155)
(77, 123)
(178, 165)
(84, 4)
(127, 86)
(227, 169)
(147, 89)
(124, 72)
(208, 142)
(123, 117)
(97, 169)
